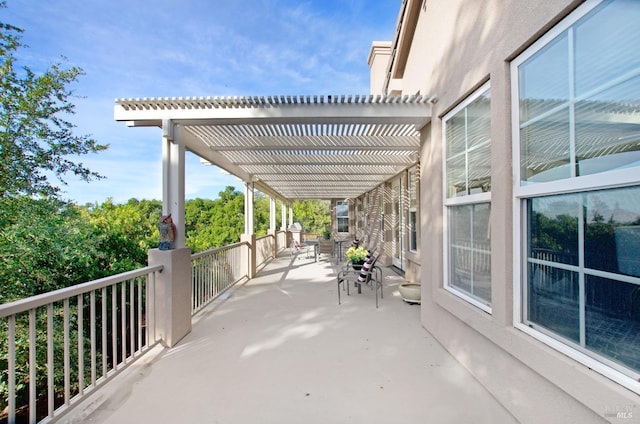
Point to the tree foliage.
(45, 245)
(36, 138)
(126, 232)
(313, 215)
(214, 223)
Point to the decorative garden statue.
(167, 232)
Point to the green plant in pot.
(356, 255)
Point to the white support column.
(248, 208)
(173, 174)
(272, 213)
(283, 211)
(249, 235)
(272, 226)
(290, 213)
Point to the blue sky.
(187, 48)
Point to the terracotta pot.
(410, 292)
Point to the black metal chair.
(369, 275)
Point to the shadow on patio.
(279, 349)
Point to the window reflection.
(470, 250)
(612, 234)
(587, 244)
(594, 127)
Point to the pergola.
(288, 147)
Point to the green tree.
(126, 232)
(261, 206)
(313, 215)
(214, 223)
(45, 245)
(36, 139)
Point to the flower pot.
(357, 265)
(410, 292)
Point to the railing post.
(249, 259)
(173, 294)
(274, 235)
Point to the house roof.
(295, 147)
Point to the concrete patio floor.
(279, 349)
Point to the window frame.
(413, 188)
(461, 200)
(342, 217)
(522, 193)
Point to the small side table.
(338, 251)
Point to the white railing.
(265, 249)
(214, 271)
(61, 345)
(281, 239)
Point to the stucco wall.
(459, 45)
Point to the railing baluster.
(104, 331)
(199, 284)
(67, 354)
(50, 385)
(131, 317)
(194, 297)
(32, 365)
(123, 317)
(92, 320)
(114, 327)
(139, 325)
(11, 362)
(80, 345)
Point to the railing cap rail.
(28, 303)
(219, 249)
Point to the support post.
(272, 226)
(173, 177)
(248, 208)
(249, 259)
(173, 294)
(249, 235)
(290, 223)
(272, 213)
(283, 212)
(274, 250)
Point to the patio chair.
(369, 275)
(296, 248)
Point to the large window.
(577, 133)
(342, 216)
(467, 146)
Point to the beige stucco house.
(529, 202)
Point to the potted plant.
(356, 255)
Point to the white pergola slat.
(295, 147)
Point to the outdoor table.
(338, 248)
(316, 248)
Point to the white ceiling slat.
(301, 146)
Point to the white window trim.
(459, 200)
(348, 217)
(611, 179)
(413, 176)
